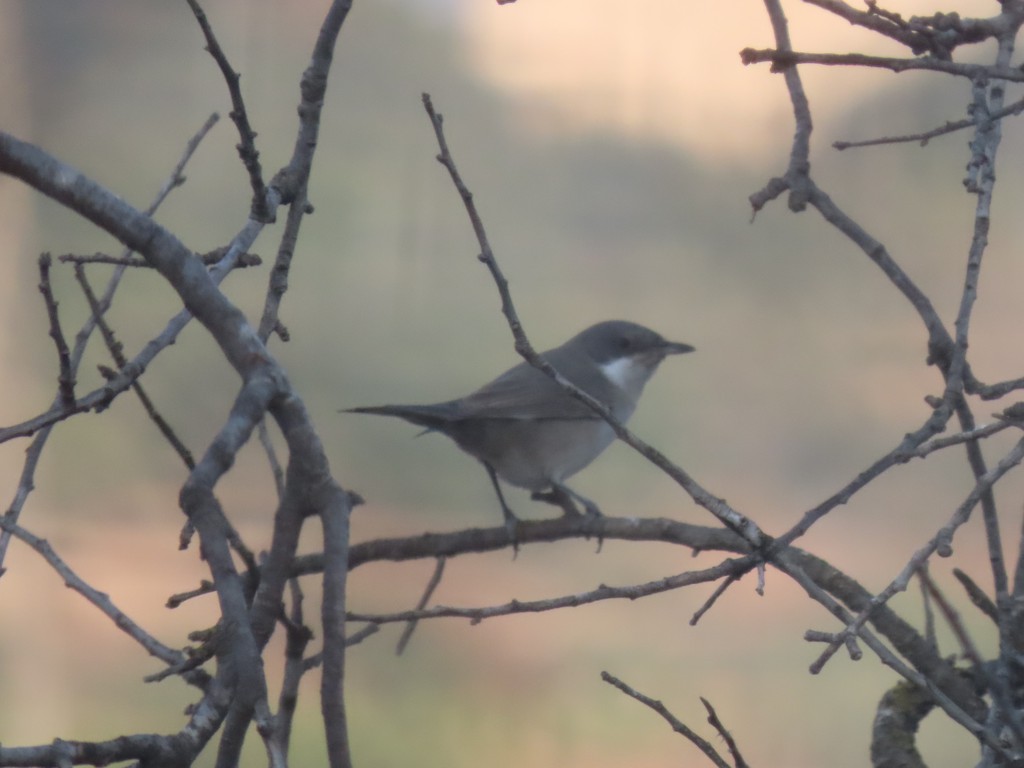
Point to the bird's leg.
(558, 497)
(563, 496)
(511, 521)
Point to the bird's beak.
(677, 348)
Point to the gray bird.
(528, 431)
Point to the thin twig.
(719, 726)
(275, 464)
(354, 638)
(977, 595)
(116, 352)
(603, 592)
(972, 435)
(100, 600)
(955, 709)
(883, 23)
(991, 391)
(102, 397)
(432, 584)
(996, 684)
(782, 60)
(177, 178)
(797, 178)
(486, 256)
(926, 603)
(677, 725)
(719, 591)
(66, 377)
(42, 433)
(923, 138)
(939, 543)
(209, 258)
(247, 145)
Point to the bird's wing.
(522, 393)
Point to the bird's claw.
(512, 527)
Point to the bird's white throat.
(626, 374)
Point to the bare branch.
(66, 377)
(996, 684)
(883, 23)
(209, 258)
(603, 592)
(716, 506)
(292, 181)
(981, 180)
(523, 346)
(730, 742)
(115, 348)
(432, 584)
(677, 725)
(977, 595)
(42, 433)
(196, 287)
(926, 604)
(247, 146)
(240, 645)
(272, 460)
(940, 543)
(719, 591)
(102, 601)
(297, 638)
(923, 138)
(176, 179)
(946, 688)
(334, 518)
(971, 435)
(907, 448)
(797, 174)
(783, 60)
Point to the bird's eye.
(624, 343)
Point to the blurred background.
(611, 148)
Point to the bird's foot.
(566, 498)
(592, 513)
(559, 498)
(512, 527)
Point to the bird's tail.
(428, 416)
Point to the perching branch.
(716, 506)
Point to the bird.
(528, 431)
